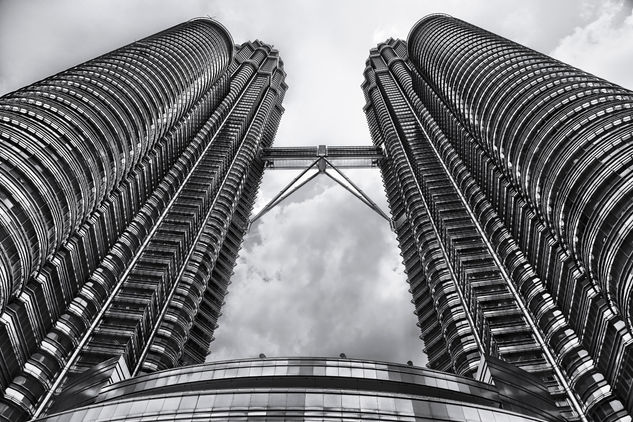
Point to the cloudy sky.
(320, 274)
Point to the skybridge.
(319, 160)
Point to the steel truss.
(321, 158)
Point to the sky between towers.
(320, 274)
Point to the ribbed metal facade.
(125, 188)
(508, 177)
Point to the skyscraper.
(508, 177)
(126, 186)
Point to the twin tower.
(127, 185)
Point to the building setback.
(125, 188)
(508, 178)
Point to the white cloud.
(603, 47)
(320, 276)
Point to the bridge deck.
(339, 156)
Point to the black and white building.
(127, 185)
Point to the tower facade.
(126, 184)
(508, 177)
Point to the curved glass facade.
(305, 388)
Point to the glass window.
(314, 400)
(277, 400)
(431, 382)
(256, 371)
(123, 409)
(438, 410)
(160, 382)
(78, 416)
(318, 371)
(172, 380)
(344, 372)
(406, 377)
(455, 412)
(351, 401)
(464, 388)
(150, 383)
(442, 383)
(502, 417)
(382, 375)
(280, 370)
(470, 414)
(332, 401)
(206, 401)
(306, 370)
(259, 399)
(171, 403)
(486, 415)
(404, 406)
(138, 407)
(423, 409)
(395, 376)
(188, 402)
(154, 405)
(296, 400)
(368, 402)
(223, 401)
(293, 370)
(240, 401)
(369, 373)
(387, 404)
(107, 412)
(331, 371)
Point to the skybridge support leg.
(322, 164)
(278, 199)
(371, 203)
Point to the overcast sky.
(321, 274)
